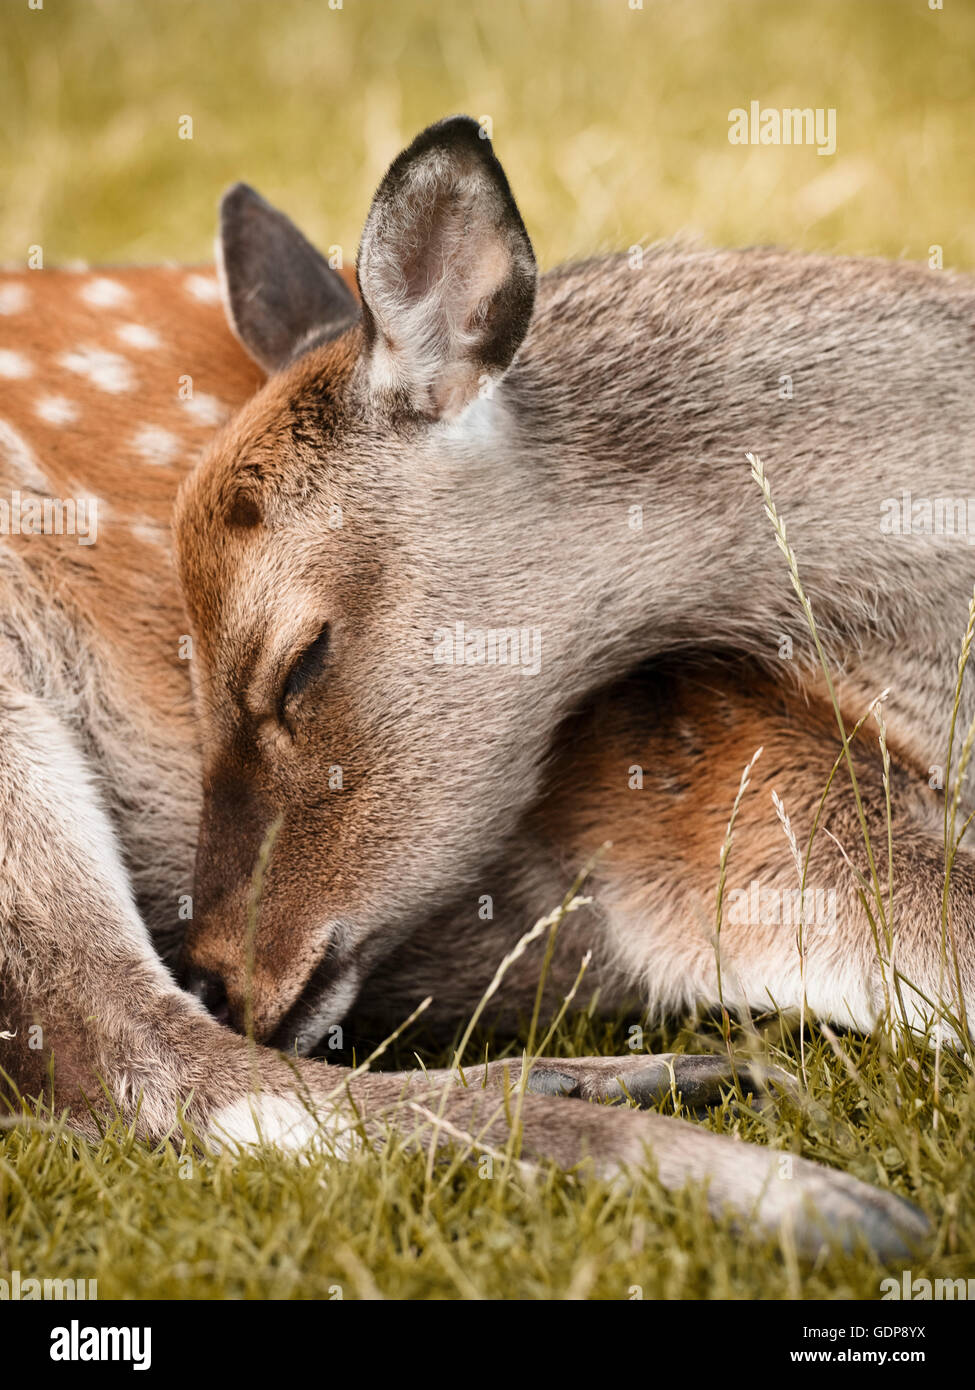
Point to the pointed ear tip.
(459, 127)
(461, 121)
(449, 132)
(236, 196)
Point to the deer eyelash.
(307, 668)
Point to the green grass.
(613, 126)
(168, 1224)
(612, 123)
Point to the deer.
(99, 776)
(461, 446)
(128, 769)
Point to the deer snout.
(214, 984)
(263, 926)
(250, 964)
(235, 842)
(247, 998)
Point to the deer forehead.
(235, 569)
(273, 456)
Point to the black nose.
(209, 989)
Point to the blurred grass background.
(611, 122)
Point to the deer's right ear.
(446, 273)
(279, 293)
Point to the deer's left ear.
(446, 272)
(279, 293)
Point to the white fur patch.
(203, 288)
(13, 298)
(159, 540)
(106, 370)
(14, 365)
(56, 410)
(17, 454)
(137, 335)
(206, 410)
(157, 445)
(482, 421)
(69, 822)
(149, 533)
(276, 1120)
(103, 293)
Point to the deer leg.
(763, 1189)
(839, 945)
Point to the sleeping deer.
(393, 480)
(462, 451)
(111, 385)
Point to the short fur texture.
(482, 463)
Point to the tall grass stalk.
(779, 527)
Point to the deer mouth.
(324, 1002)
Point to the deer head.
(365, 639)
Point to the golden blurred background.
(612, 121)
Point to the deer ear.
(446, 272)
(279, 293)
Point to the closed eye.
(307, 668)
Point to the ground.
(165, 1224)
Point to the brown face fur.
(265, 568)
(289, 525)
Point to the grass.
(613, 127)
(612, 123)
(167, 1224)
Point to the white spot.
(104, 294)
(14, 365)
(203, 287)
(137, 335)
(13, 298)
(206, 410)
(287, 1124)
(18, 455)
(106, 370)
(150, 533)
(479, 422)
(157, 445)
(57, 410)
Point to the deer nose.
(209, 988)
